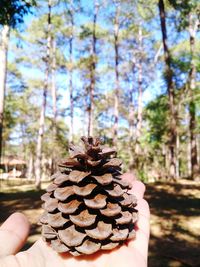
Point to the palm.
(132, 253)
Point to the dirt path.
(175, 220)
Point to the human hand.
(14, 233)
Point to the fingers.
(13, 234)
(130, 177)
(138, 188)
(143, 226)
(142, 233)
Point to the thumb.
(13, 234)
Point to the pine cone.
(87, 207)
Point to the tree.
(12, 13)
(44, 100)
(92, 71)
(171, 92)
(90, 33)
(71, 43)
(3, 70)
(189, 19)
(194, 23)
(117, 88)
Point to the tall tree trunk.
(71, 13)
(165, 155)
(116, 92)
(30, 167)
(131, 129)
(3, 70)
(188, 145)
(140, 93)
(38, 166)
(189, 168)
(177, 156)
(195, 171)
(54, 101)
(92, 72)
(171, 93)
(198, 149)
(53, 88)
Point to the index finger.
(138, 188)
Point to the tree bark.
(92, 72)
(171, 93)
(3, 70)
(131, 130)
(189, 168)
(177, 156)
(54, 101)
(198, 149)
(140, 93)
(53, 88)
(71, 39)
(30, 167)
(116, 92)
(195, 171)
(38, 165)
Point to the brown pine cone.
(87, 206)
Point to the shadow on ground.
(27, 202)
(175, 222)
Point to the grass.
(175, 220)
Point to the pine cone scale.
(98, 202)
(77, 176)
(69, 207)
(71, 237)
(101, 232)
(63, 193)
(104, 179)
(83, 219)
(88, 247)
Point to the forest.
(127, 71)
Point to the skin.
(15, 230)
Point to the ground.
(175, 220)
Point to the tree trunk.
(38, 166)
(71, 13)
(188, 149)
(177, 156)
(54, 101)
(116, 92)
(198, 149)
(92, 73)
(53, 88)
(165, 155)
(195, 172)
(30, 167)
(131, 128)
(3, 70)
(189, 168)
(140, 92)
(171, 93)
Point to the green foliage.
(12, 11)
(143, 176)
(185, 8)
(156, 113)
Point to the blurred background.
(127, 71)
